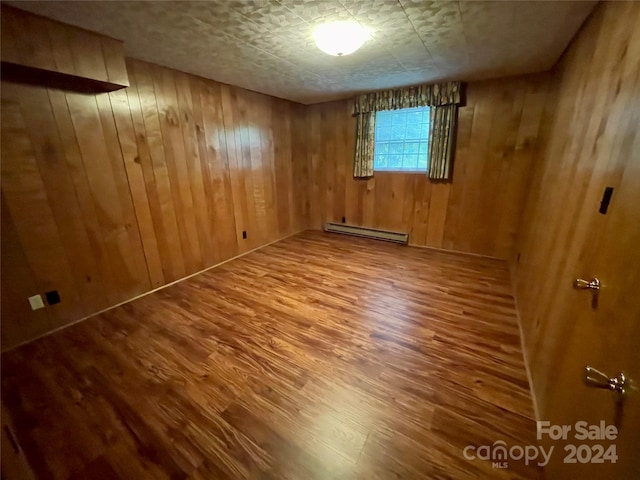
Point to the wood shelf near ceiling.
(38, 50)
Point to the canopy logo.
(498, 453)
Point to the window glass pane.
(398, 132)
(382, 147)
(395, 161)
(401, 139)
(410, 162)
(399, 119)
(413, 131)
(396, 148)
(413, 147)
(383, 120)
(383, 133)
(415, 116)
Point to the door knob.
(581, 284)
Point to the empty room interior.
(320, 239)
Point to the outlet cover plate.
(36, 302)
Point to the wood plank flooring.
(318, 357)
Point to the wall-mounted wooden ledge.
(10, 72)
(37, 50)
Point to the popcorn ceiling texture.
(267, 45)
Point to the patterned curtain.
(441, 138)
(365, 131)
(443, 98)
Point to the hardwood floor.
(320, 356)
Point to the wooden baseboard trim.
(458, 252)
(534, 398)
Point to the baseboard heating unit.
(373, 233)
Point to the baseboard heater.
(373, 233)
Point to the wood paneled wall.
(46, 45)
(107, 196)
(477, 212)
(590, 139)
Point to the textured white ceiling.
(267, 45)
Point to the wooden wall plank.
(300, 167)
(17, 45)
(158, 171)
(258, 161)
(281, 146)
(136, 184)
(437, 214)
(13, 38)
(61, 48)
(245, 167)
(267, 149)
(113, 52)
(41, 52)
(315, 155)
(169, 272)
(174, 154)
(87, 54)
(464, 154)
(213, 150)
(194, 167)
(135, 251)
(234, 155)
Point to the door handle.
(593, 284)
(596, 379)
(621, 385)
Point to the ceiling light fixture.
(340, 38)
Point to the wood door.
(605, 336)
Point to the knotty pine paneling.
(105, 197)
(477, 212)
(590, 140)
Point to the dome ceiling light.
(340, 38)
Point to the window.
(402, 140)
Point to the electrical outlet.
(344, 219)
(52, 297)
(244, 234)
(36, 302)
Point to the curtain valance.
(433, 95)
